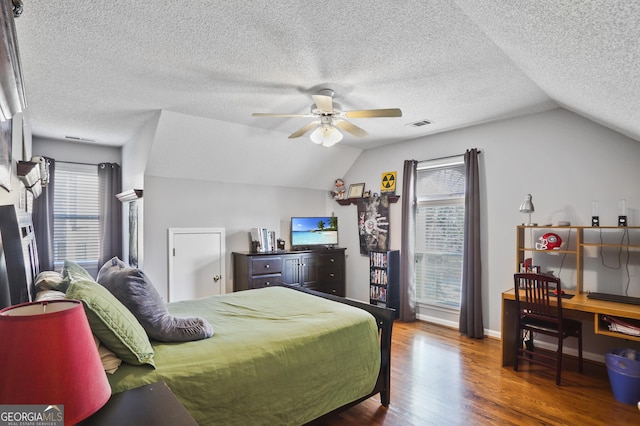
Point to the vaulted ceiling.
(99, 70)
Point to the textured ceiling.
(99, 70)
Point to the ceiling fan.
(330, 118)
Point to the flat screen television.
(314, 232)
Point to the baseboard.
(438, 321)
(595, 357)
(454, 325)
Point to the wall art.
(373, 224)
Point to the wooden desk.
(578, 307)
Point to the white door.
(196, 263)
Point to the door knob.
(216, 278)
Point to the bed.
(278, 355)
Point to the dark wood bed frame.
(19, 266)
(20, 255)
(384, 318)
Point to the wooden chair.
(540, 311)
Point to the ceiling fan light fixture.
(327, 135)
(330, 119)
(316, 136)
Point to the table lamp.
(527, 207)
(48, 357)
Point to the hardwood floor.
(441, 378)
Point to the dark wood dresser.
(321, 270)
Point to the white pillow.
(49, 295)
(49, 280)
(110, 361)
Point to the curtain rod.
(84, 164)
(445, 157)
(75, 162)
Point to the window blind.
(75, 214)
(440, 234)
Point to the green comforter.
(278, 357)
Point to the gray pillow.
(134, 289)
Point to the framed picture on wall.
(356, 190)
(5, 154)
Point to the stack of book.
(620, 326)
(263, 240)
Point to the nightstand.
(152, 404)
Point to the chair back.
(534, 296)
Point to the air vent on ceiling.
(78, 139)
(420, 123)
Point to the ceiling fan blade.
(323, 102)
(372, 113)
(267, 114)
(304, 130)
(351, 128)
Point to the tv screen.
(310, 232)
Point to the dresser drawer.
(330, 268)
(329, 273)
(331, 260)
(323, 270)
(266, 280)
(266, 265)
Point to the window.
(440, 190)
(76, 233)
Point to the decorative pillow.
(50, 280)
(134, 289)
(109, 319)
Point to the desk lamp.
(48, 357)
(527, 207)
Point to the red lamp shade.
(48, 356)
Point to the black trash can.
(623, 367)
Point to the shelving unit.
(346, 202)
(384, 279)
(575, 235)
(582, 238)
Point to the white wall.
(185, 203)
(76, 152)
(191, 147)
(562, 159)
(135, 155)
(20, 151)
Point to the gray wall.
(185, 203)
(76, 152)
(564, 160)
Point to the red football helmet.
(549, 241)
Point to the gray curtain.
(407, 245)
(471, 299)
(43, 220)
(110, 212)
